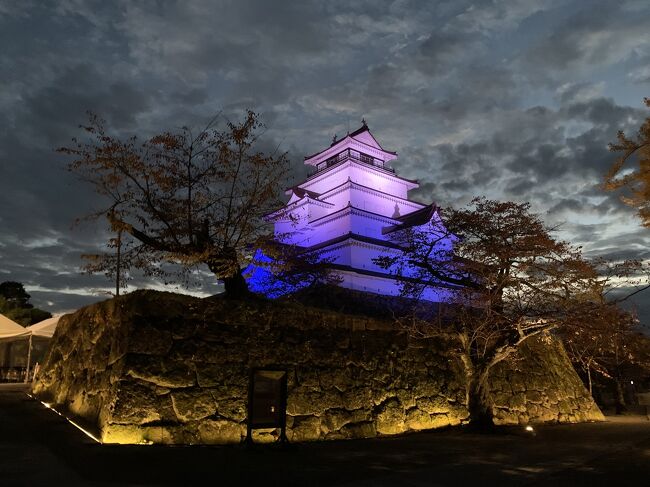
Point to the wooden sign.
(267, 401)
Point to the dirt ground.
(38, 447)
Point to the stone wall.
(167, 368)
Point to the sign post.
(267, 401)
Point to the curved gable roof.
(361, 135)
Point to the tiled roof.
(418, 217)
(360, 130)
(301, 192)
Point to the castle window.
(366, 158)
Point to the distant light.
(632, 382)
(529, 428)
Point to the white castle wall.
(358, 173)
(354, 197)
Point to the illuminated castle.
(351, 210)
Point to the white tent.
(44, 328)
(11, 329)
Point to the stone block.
(534, 397)
(164, 435)
(338, 378)
(430, 387)
(406, 397)
(305, 428)
(303, 402)
(308, 378)
(125, 434)
(85, 405)
(191, 405)
(233, 408)
(210, 375)
(359, 398)
(221, 431)
(517, 402)
(505, 417)
(267, 435)
(389, 417)
(334, 419)
(517, 383)
(365, 429)
(564, 406)
(416, 419)
(149, 340)
(162, 372)
(135, 404)
(433, 405)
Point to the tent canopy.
(44, 328)
(11, 329)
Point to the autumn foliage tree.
(636, 181)
(607, 342)
(602, 345)
(182, 197)
(507, 280)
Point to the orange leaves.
(186, 198)
(637, 182)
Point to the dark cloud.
(600, 34)
(641, 74)
(508, 99)
(439, 51)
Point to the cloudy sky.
(512, 99)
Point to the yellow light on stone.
(86, 432)
(79, 427)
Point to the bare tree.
(185, 198)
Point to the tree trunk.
(222, 265)
(118, 263)
(478, 404)
(619, 396)
(236, 286)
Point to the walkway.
(38, 447)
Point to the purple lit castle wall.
(351, 210)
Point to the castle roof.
(413, 183)
(299, 196)
(302, 192)
(361, 136)
(413, 219)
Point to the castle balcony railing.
(355, 156)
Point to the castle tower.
(350, 211)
